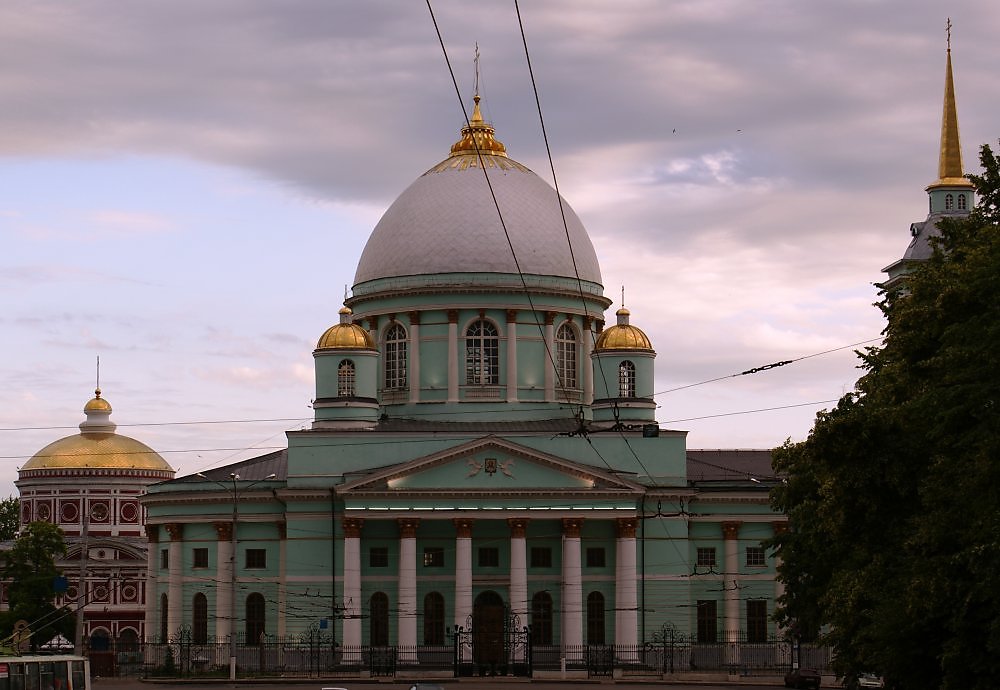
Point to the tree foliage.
(893, 500)
(10, 517)
(29, 571)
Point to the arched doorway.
(488, 617)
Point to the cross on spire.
(947, 31)
(476, 63)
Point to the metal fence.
(317, 655)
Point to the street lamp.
(234, 488)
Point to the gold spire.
(950, 171)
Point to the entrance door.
(488, 634)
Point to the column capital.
(550, 317)
(731, 529)
(352, 527)
(463, 527)
(414, 318)
(518, 527)
(372, 323)
(152, 533)
(408, 527)
(571, 527)
(598, 325)
(453, 316)
(223, 530)
(587, 323)
(512, 316)
(175, 530)
(625, 527)
(779, 526)
(282, 530)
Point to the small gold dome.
(478, 137)
(346, 335)
(97, 404)
(97, 451)
(98, 447)
(623, 336)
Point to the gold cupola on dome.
(97, 447)
(346, 335)
(623, 336)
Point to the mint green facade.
(495, 441)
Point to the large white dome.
(447, 221)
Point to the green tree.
(10, 517)
(29, 570)
(894, 498)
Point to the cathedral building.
(484, 458)
(89, 484)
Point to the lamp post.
(233, 488)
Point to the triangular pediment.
(490, 465)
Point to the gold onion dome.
(97, 447)
(478, 137)
(346, 335)
(623, 336)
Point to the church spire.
(950, 171)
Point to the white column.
(224, 576)
(588, 363)
(151, 626)
(413, 374)
(175, 589)
(407, 634)
(453, 356)
(626, 585)
(352, 590)
(550, 359)
(572, 590)
(511, 355)
(730, 582)
(519, 568)
(463, 578)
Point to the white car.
(870, 680)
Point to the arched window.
(378, 610)
(199, 615)
(626, 380)
(434, 619)
(100, 641)
(255, 618)
(949, 202)
(566, 357)
(345, 379)
(541, 619)
(163, 618)
(482, 354)
(395, 358)
(963, 204)
(595, 618)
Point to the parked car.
(870, 680)
(803, 678)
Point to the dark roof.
(725, 465)
(252, 469)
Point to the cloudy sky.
(186, 187)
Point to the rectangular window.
(164, 559)
(378, 557)
(489, 557)
(706, 557)
(256, 558)
(595, 557)
(707, 621)
(541, 557)
(433, 557)
(756, 620)
(755, 557)
(200, 558)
